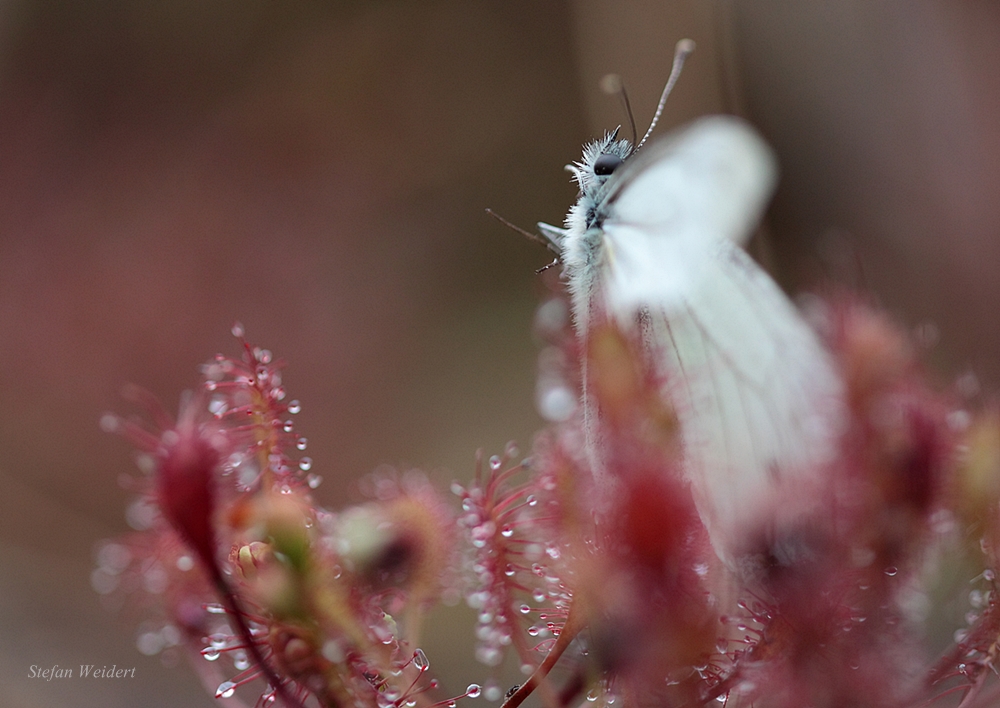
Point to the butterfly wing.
(755, 391)
(675, 199)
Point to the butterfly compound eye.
(606, 164)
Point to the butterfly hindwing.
(754, 390)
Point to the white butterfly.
(654, 241)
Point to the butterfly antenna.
(628, 112)
(681, 52)
(613, 84)
(527, 234)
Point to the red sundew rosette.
(897, 454)
(652, 623)
(826, 562)
(187, 465)
(643, 590)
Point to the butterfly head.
(600, 160)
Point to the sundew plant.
(611, 596)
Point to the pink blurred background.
(319, 172)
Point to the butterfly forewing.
(674, 200)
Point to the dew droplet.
(524, 609)
(113, 558)
(141, 514)
(149, 643)
(332, 651)
(237, 330)
(556, 402)
(532, 500)
(305, 464)
(482, 533)
(420, 660)
(496, 463)
(241, 661)
(891, 571)
(226, 689)
(294, 407)
(473, 690)
(492, 691)
(110, 423)
(218, 406)
(489, 656)
(171, 635)
(507, 531)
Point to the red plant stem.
(974, 690)
(566, 636)
(232, 604)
